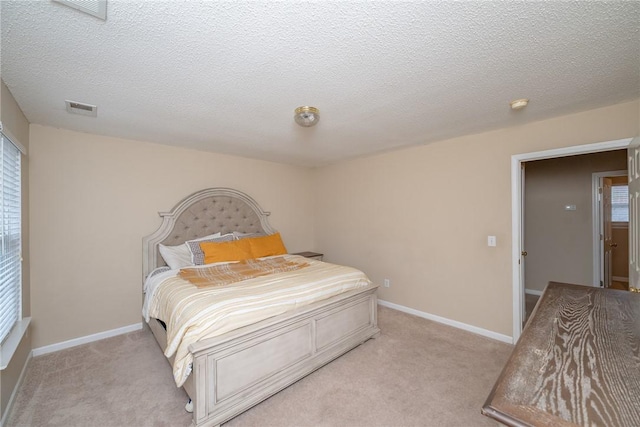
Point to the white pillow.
(179, 256)
(175, 256)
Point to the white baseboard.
(533, 292)
(87, 339)
(7, 411)
(621, 279)
(444, 320)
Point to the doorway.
(559, 222)
(518, 251)
(611, 234)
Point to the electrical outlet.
(387, 283)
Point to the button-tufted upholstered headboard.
(202, 213)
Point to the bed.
(235, 370)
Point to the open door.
(633, 154)
(523, 252)
(607, 233)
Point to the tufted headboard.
(202, 213)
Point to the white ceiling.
(226, 76)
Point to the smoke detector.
(519, 104)
(74, 107)
(97, 8)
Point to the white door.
(523, 252)
(607, 233)
(633, 154)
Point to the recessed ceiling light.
(519, 104)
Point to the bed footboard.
(236, 371)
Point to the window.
(10, 237)
(620, 203)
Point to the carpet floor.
(417, 373)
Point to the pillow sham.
(238, 235)
(234, 250)
(180, 256)
(267, 245)
(197, 255)
(175, 256)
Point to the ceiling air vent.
(74, 107)
(97, 8)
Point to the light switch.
(491, 241)
(569, 207)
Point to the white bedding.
(193, 314)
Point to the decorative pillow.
(238, 235)
(267, 245)
(197, 255)
(180, 256)
(234, 250)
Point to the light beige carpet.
(417, 373)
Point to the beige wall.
(13, 119)
(421, 216)
(16, 125)
(560, 243)
(93, 198)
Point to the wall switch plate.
(491, 241)
(569, 207)
(387, 283)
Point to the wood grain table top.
(577, 362)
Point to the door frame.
(596, 202)
(517, 225)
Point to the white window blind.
(620, 203)
(10, 239)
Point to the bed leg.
(189, 406)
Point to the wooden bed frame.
(237, 370)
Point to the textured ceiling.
(226, 76)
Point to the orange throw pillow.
(266, 245)
(236, 250)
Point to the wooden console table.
(577, 362)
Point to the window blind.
(620, 203)
(10, 238)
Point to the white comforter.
(192, 314)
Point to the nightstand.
(312, 255)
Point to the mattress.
(193, 314)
